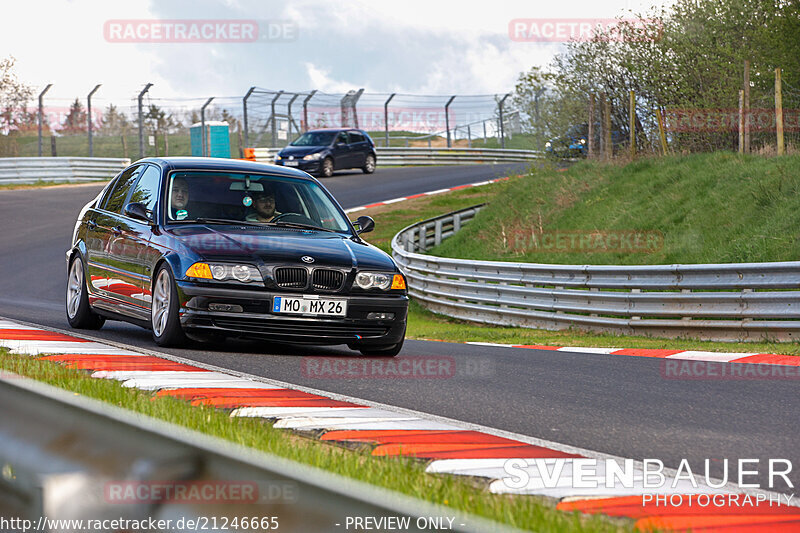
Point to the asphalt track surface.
(623, 406)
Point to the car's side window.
(342, 138)
(356, 137)
(116, 199)
(146, 190)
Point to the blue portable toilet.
(217, 137)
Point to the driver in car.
(264, 204)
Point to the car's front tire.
(326, 170)
(164, 319)
(79, 313)
(369, 165)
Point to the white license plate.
(309, 306)
(290, 163)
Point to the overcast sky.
(409, 46)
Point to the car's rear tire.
(79, 313)
(164, 319)
(369, 165)
(326, 170)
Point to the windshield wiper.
(300, 226)
(203, 220)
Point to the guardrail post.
(386, 117)
(89, 117)
(305, 108)
(244, 116)
(423, 238)
(437, 233)
(502, 126)
(456, 222)
(141, 119)
(447, 118)
(41, 114)
(274, 128)
(203, 141)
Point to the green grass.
(400, 474)
(709, 208)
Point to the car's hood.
(300, 151)
(281, 246)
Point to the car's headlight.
(277, 157)
(224, 272)
(380, 280)
(312, 157)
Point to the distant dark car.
(208, 248)
(575, 143)
(320, 152)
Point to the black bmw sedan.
(320, 152)
(204, 247)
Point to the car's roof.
(334, 129)
(223, 164)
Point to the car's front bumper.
(306, 166)
(256, 318)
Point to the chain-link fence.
(149, 125)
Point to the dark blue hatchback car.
(320, 152)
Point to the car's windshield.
(315, 138)
(253, 198)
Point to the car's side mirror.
(364, 224)
(138, 211)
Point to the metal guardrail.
(55, 169)
(729, 301)
(432, 156)
(64, 456)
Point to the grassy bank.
(577, 184)
(702, 208)
(400, 474)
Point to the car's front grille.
(326, 279)
(291, 277)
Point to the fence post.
(779, 111)
(244, 116)
(41, 114)
(386, 117)
(305, 108)
(289, 109)
(141, 119)
(609, 147)
(274, 129)
(590, 140)
(89, 118)
(502, 126)
(741, 121)
(747, 106)
(661, 131)
(632, 122)
(469, 137)
(203, 141)
(447, 118)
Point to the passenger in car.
(179, 199)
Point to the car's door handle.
(117, 230)
(91, 224)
